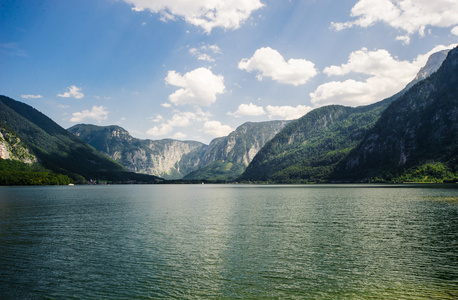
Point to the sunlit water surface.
(229, 241)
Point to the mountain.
(170, 159)
(311, 148)
(11, 147)
(418, 133)
(225, 157)
(55, 148)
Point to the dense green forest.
(14, 172)
(410, 137)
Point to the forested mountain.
(225, 157)
(55, 148)
(311, 148)
(416, 136)
(170, 159)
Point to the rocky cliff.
(170, 159)
(173, 159)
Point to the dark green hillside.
(57, 149)
(417, 134)
(217, 170)
(308, 149)
(313, 147)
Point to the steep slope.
(170, 159)
(227, 157)
(11, 147)
(310, 148)
(58, 150)
(419, 128)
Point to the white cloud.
(287, 112)
(248, 110)
(31, 96)
(179, 119)
(386, 76)
(179, 136)
(160, 130)
(199, 87)
(455, 30)
(73, 92)
(408, 15)
(270, 63)
(97, 113)
(205, 52)
(207, 14)
(216, 129)
(405, 39)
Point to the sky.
(198, 69)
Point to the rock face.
(170, 159)
(226, 158)
(11, 147)
(173, 159)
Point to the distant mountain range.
(411, 136)
(224, 159)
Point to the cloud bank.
(207, 14)
(386, 75)
(410, 16)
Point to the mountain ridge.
(311, 148)
(58, 150)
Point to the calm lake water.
(229, 241)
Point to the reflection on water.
(229, 241)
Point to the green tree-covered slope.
(58, 150)
(313, 147)
(417, 133)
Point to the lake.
(229, 241)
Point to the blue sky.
(197, 69)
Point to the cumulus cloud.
(216, 129)
(270, 63)
(199, 87)
(226, 14)
(179, 119)
(73, 92)
(205, 52)
(31, 96)
(287, 112)
(455, 30)
(97, 113)
(248, 110)
(386, 76)
(160, 130)
(179, 136)
(408, 15)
